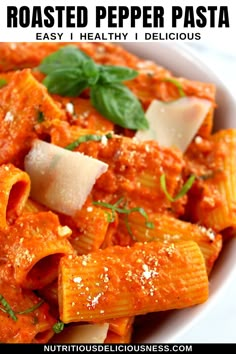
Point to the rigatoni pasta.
(148, 227)
(215, 191)
(89, 228)
(23, 101)
(35, 244)
(171, 230)
(14, 193)
(121, 325)
(121, 281)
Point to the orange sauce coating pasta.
(43, 252)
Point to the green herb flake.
(177, 84)
(188, 184)
(149, 224)
(3, 82)
(58, 327)
(209, 175)
(7, 308)
(40, 117)
(87, 137)
(110, 216)
(116, 208)
(31, 309)
(35, 320)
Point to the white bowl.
(167, 327)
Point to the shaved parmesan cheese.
(174, 124)
(87, 333)
(61, 179)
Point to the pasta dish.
(116, 195)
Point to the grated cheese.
(9, 117)
(70, 108)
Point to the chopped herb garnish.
(210, 174)
(40, 117)
(207, 176)
(177, 85)
(116, 208)
(58, 327)
(69, 72)
(111, 216)
(88, 137)
(31, 309)
(112, 207)
(3, 82)
(188, 184)
(35, 320)
(7, 308)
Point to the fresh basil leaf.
(66, 57)
(66, 82)
(91, 72)
(118, 104)
(114, 74)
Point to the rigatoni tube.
(128, 281)
(169, 229)
(14, 192)
(34, 247)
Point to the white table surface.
(219, 325)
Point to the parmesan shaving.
(61, 179)
(174, 124)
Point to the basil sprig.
(69, 72)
